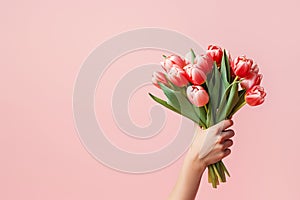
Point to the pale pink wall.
(43, 44)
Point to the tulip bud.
(172, 61)
(242, 66)
(178, 76)
(255, 96)
(159, 77)
(215, 53)
(197, 95)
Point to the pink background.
(43, 44)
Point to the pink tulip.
(255, 96)
(205, 63)
(178, 76)
(195, 74)
(242, 66)
(215, 53)
(197, 95)
(172, 61)
(159, 77)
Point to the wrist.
(194, 162)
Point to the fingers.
(221, 155)
(225, 135)
(223, 125)
(225, 153)
(228, 143)
(225, 146)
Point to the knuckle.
(220, 147)
(220, 139)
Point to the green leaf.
(193, 56)
(201, 113)
(171, 95)
(224, 70)
(180, 102)
(232, 99)
(210, 120)
(241, 102)
(216, 89)
(164, 103)
(228, 67)
(221, 113)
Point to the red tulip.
(159, 77)
(242, 66)
(215, 53)
(178, 76)
(172, 61)
(255, 96)
(251, 81)
(254, 68)
(230, 60)
(231, 64)
(197, 95)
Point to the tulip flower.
(255, 96)
(195, 74)
(178, 76)
(242, 66)
(172, 61)
(215, 53)
(159, 77)
(205, 63)
(210, 91)
(254, 68)
(251, 80)
(231, 64)
(197, 67)
(197, 95)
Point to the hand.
(208, 147)
(212, 145)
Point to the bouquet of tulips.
(209, 88)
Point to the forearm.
(189, 178)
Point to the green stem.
(226, 171)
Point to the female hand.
(212, 145)
(208, 147)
